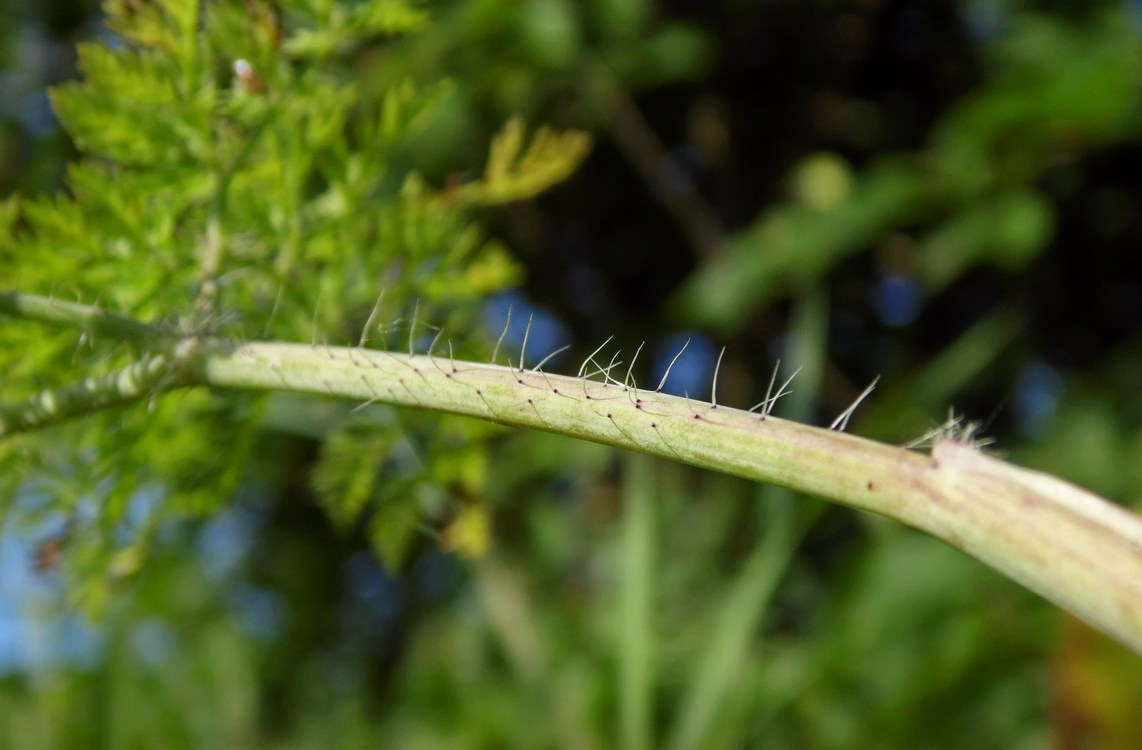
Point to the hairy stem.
(1074, 548)
(142, 379)
(59, 313)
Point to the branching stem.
(139, 380)
(1074, 548)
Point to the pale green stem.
(142, 379)
(1074, 548)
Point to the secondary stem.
(73, 314)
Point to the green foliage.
(244, 178)
(515, 173)
(510, 58)
(969, 197)
(746, 641)
(395, 472)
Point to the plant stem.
(57, 312)
(1072, 547)
(636, 639)
(141, 379)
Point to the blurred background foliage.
(942, 193)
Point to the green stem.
(1072, 547)
(636, 641)
(737, 623)
(142, 379)
(57, 312)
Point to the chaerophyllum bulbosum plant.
(248, 238)
(250, 172)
